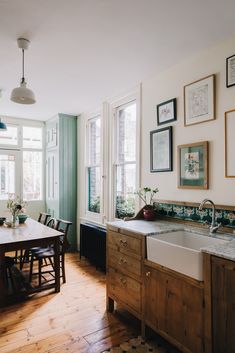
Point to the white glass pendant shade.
(23, 95)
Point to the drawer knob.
(122, 261)
(123, 280)
(148, 274)
(123, 242)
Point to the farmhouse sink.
(180, 251)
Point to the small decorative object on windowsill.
(16, 207)
(148, 211)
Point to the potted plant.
(146, 194)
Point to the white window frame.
(135, 96)
(28, 149)
(93, 216)
(20, 123)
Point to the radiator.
(93, 245)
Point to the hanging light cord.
(23, 79)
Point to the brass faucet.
(214, 226)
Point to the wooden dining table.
(26, 236)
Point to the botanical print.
(198, 101)
(166, 112)
(191, 163)
(161, 150)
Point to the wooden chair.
(44, 217)
(9, 263)
(45, 256)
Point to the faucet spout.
(214, 226)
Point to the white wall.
(169, 84)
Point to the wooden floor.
(74, 320)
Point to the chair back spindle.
(43, 218)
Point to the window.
(9, 137)
(125, 167)
(32, 175)
(32, 163)
(94, 168)
(32, 137)
(7, 175)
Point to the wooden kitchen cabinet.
(174, 308)
(124, 270)
(223, 305)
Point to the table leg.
(3, 291)
(57, 264)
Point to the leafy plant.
(146, 194)
(125, 207)
(16, 206)
(95, 205)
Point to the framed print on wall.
(166, 112)
(199, 101)
(161, 150)
(230, 71)
(230, 144)
(193, 166)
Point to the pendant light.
(22, 94)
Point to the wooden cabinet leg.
(143, 333)
(110, 304)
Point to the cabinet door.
(52, 134)
(155, 294)
(223, 305)
(184, 313)
(174, 307)
(52, 184)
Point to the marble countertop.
(146, 228)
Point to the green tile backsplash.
(190, 213)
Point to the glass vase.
(15, 221)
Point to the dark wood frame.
(225, 142)
(227, 60)
(214, 98)
(169, 128)
(205, 145)
(173, 101)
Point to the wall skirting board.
(190, 212)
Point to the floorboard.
(74, 320)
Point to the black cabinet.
(93, 244)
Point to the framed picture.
(230, 144)
(230, 71)
(193, 166)
(199, 101)
(161, 150)
(166, 112)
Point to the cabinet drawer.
(124, 288)
(124, 243)
(124, 263)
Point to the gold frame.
(213, 104)
(225, 142)
(205, 145)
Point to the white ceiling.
(85, 51)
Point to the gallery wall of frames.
(201, 114)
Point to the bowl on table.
(2, 220)
(22, 218)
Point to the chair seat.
(44, 252)
(9, 261)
